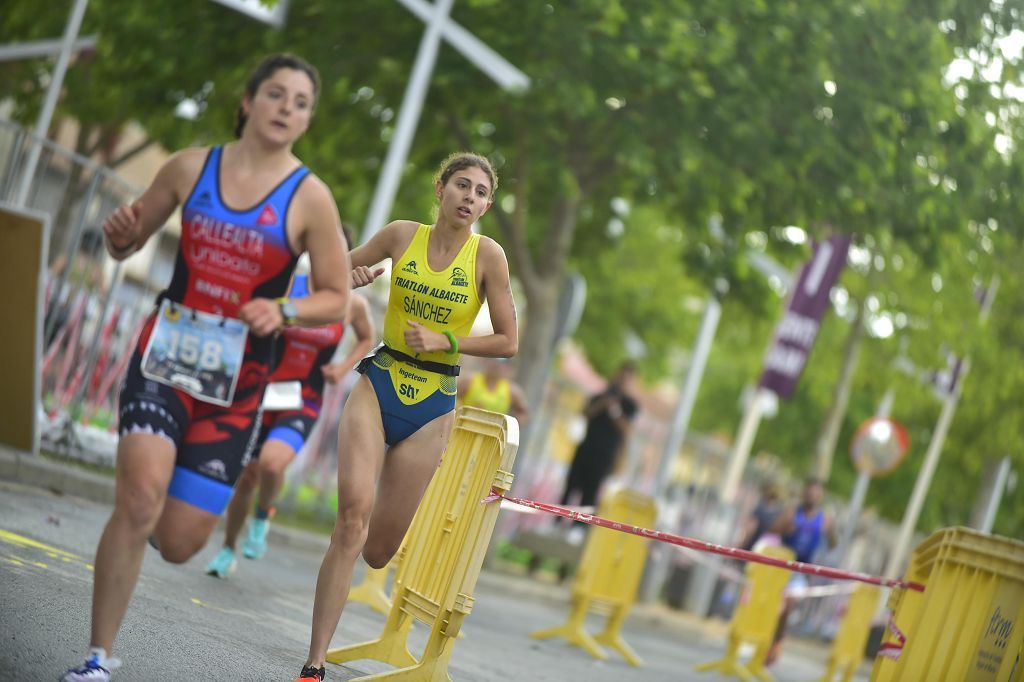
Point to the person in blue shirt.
(801, 528)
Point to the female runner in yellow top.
(398, 417)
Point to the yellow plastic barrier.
(608, 577)
(969, 622)
(372, 590)
(440, 560)
(755, 619)
(852, 637)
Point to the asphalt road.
(184, 625)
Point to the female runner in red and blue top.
(190, 401)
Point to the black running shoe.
(311, 674)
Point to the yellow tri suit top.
(439, 300)
(479, 394)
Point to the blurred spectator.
(764, 515)
(492, 389)
(609, 415)
(801, 528)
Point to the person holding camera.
(609, 416)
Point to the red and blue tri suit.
(301, 357)
(226, 257)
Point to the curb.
(67, 478)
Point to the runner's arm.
(129, 227)
(390, 242)
(497, 290)
(520, 410)
(462, 387)
(785, 524)
(366, 333)
(328, 257)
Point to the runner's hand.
(333, 373)
(122, 228)
(423, 340)
(262, 315)
(362, 275)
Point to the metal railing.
(92, 314)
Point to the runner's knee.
(140, 504)
(248, 479)
(378, 553)
(351, 526)
(179, 550)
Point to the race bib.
(282, 395)
(196, 352)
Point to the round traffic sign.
(878, 446)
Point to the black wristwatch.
(288, 311)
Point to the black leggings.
(586, 474)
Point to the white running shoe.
(96, 668)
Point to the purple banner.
(795, 335)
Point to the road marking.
(21, 541)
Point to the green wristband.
(454, 350)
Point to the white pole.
(472, 48)
(408, 118)
(694, 374)
(744, 441)
(50, 103)
(860, 489)
(924, 478)
(995, 495)
(41, 48)
(931, 458)
(677, 433)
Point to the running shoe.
(311, 674)
(93, 670)
(223, 564)
(255, 545)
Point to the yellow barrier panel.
(440, 560)
(608, 577)
(24, 244)
(372, 590)
(755, 619)
(852, 637)
(969, 622)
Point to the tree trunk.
(536, 341)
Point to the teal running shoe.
(255, 545)
(223, 564)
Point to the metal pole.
(995, 495)
(52, 94)
(94, 341)
(42, 48)
(860, 490)
(723, 521)
(688, 398)
(408, 118)
(744, 441)
(76, 240)
(677, 434)
(931, 458)
(924, 478)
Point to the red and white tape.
(892, 650)
(702, 546)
